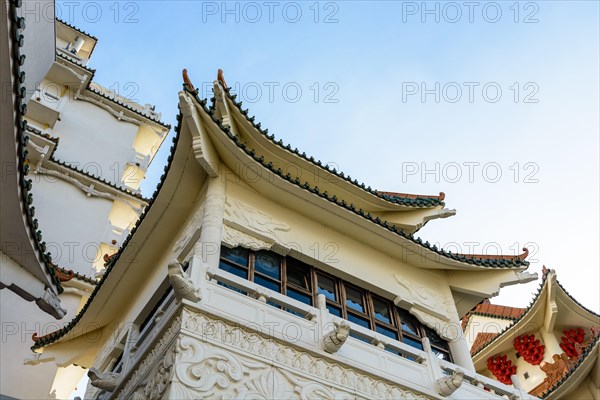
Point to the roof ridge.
(126, 106)
(76, 62)
(418, 202)
(521, 256)
(66, 275)
(440, 196)
(100, 179)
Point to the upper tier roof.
(171, 185)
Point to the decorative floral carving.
(192, 227)
(203, 368)
(234, 238)
(243, 217)
(530, 348)
(431, 308)
(229, 362)
(159, 360)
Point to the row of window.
(303, 282)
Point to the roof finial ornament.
(442, 196)
(524, 255)
(221, 78)
(186, 80)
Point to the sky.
(494, 103)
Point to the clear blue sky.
(391, 90)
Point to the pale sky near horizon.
(494, 103)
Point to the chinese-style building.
(70, 189)
(551, 347)
(253, 271)
(256, 271)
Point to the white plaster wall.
(536, 375)
(72, 224)
(480, 323)
(335, 252)
(19, 321)
(94, 138)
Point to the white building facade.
(87, 150)
(257, 272)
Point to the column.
(207, 250)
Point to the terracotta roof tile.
(481, 340)
(498, 311)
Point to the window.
(303, 282)
(439, 346)
(329, 287)
(299, 282)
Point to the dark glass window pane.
(412, 342)
(334, 310)
(354, 299)
(327, 287)
(358, 320)
(409, 323)
(387, 332)
(435, 339)
(393, 351)
(238, 255)
(273, 304)
(241, 272)
(382, 310)
(298, 273)
(360, 337)
(268, 264)
(294, 312)
(268, 283)
(231, 288)
(442, 355)
(304, 298)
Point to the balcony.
(234, 306)
(113, 235)
(45, 105)
(142, 161)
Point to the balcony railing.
(247, 304)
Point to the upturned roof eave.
(373, 200)
(536, 307)
(437, 258)
(91, 310)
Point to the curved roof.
(405, 199)
(548, 276)
(20, 199)
(41, 341)
(516, 262)
(481, 260)
(64, 164)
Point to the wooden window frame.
(340, 286)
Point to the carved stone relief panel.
(432, 309)
(247, 219)
(153, 374)
(215, 359)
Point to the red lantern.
(530, 348)
(501, 368)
